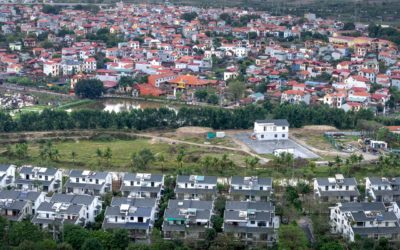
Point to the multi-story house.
(250, 188)
(88, 182)
(383, 189)
(38, 178)
(336, 189)
(7, 175)
(187, 219)
(295, 97)
(271, 130)
(142, 185)
(137, 215)
(251, 221)
(52, 68)
(366, 219)
(196, 187)
(18, 205)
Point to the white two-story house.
(187, 219)
(366, 219)
(137, 215)
(250, 188)
(7, 175)
(38, 179)
(196, 187)
(19, 205)
(251, 221)
(142, 185)
(383, 189)
(270, 130)
(336, 188)
(88, 182)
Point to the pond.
(119, 105)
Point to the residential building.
(251, 221)
(19, 205)
(142, 185)
(38, 178)
(271, 130)
(137, 215)
(336, 188)
(187, 219)
(88, 182)
(196, 187)
(251, 188)
(366, 219)
(383, 189)
(7, 175)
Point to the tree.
(236, 89)
(291, 237)
(251, 161)
(160, 157)
(349, 26)
(24, 230)
(331, 246)
(73, 156)
(75, 235)
(91, 244)
(201, 94)
(179, 157)
(189, 16)
(120, 239)
(89, 88)
(21, 150)
(126, 81)
(108, 155)
(141, 159)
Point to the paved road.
(306, 225)
(30, 89)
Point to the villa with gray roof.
(63, 209)
(271, 130)
(251, 221)
(366, 219)
(137, 215)
(18, 205)
(250, 188)
(88, 182)
(7, 175)
(142, 185)
(39, 179)
(334, 189)
(187, 219)
(196, 187)
(383, 189)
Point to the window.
(131, 183)
(262, 136)
(283, 128)
(131, 218)
(261, 188)
(283, 135)
(252, 222)
(77, 179)
(276, 136)
(140, 219)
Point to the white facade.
(271, 130)
(7, 176)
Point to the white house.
(250, 188)
(196, 187)
(7, 175)
(19, 205)
(38, 178)
(88, 182)
(271, 130)
(336, 189)
(142, 185)
(366, 219)
(383, 189)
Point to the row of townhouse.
(40, 194)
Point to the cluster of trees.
(104, 35)
(189, 16)
(217, 118)
(89, 88)
(204, 95)
(391, 34)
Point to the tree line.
(216, 118)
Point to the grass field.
(122, 150)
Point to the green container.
(211, 135)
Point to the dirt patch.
(320, 128)
(193, 131)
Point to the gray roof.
(128, 225)
(19, 195)
(195, 191)
(364, 231)
(258, 216)
(4, 167)
(135, 177)
(383, 216)
(71, 209)
(240, 180)
(202, 209)
(73, 199)
(346, 182)
(339, 193)
(242, 229)
(384, 181)
(30, 170)
(140, 189)
(277, 122)
(197, 179)
(136, 202)
(362, 206)
(90, 174)
(138, 211)
(245, 205)
(89, 186)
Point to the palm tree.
(73, 156)
(179, 157)
(160, 157)
(338, 162)
(108, 155)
